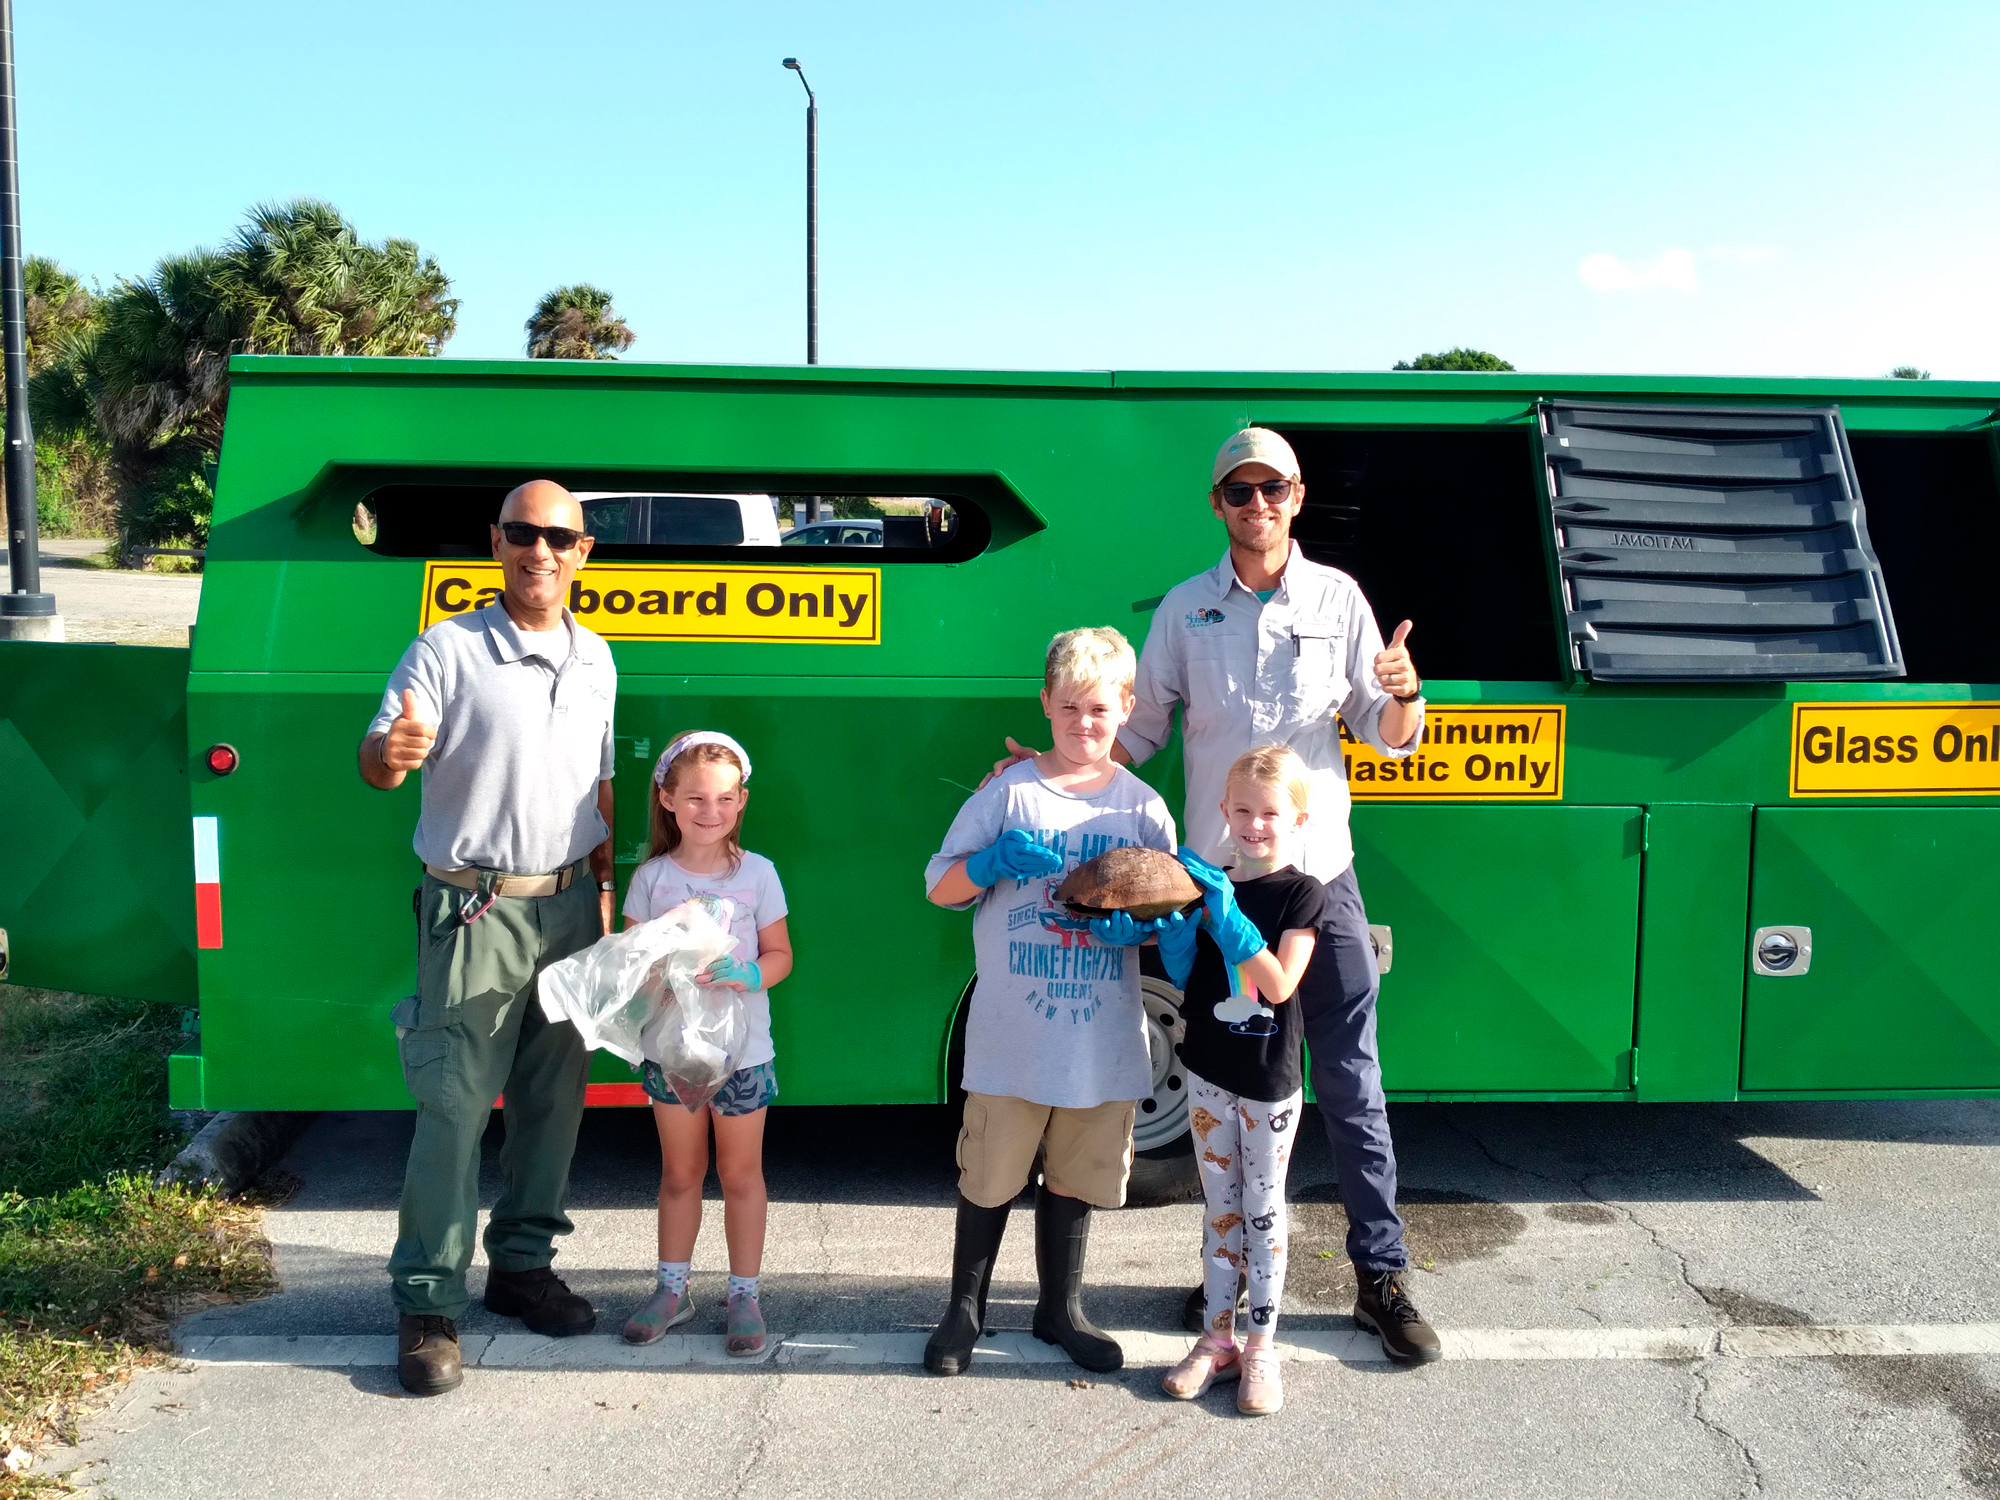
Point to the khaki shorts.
(1086, 1153)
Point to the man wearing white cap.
(1268, 647)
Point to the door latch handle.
(1383, 941)
(1781, 952)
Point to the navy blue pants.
(1346, 1077)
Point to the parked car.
(862, 533)
(649, 519)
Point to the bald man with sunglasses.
(1269, 647)
(506, 710)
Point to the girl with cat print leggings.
(1241, 972)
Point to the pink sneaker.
(1262, 1391)
(1205, 1364)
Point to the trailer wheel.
(1163, 1165)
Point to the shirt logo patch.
(1200, 617)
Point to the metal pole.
(25, 611)
(812, 227)
(812, 214)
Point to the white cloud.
(1673, 270)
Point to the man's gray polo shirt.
(1247, 673)
(511, 784)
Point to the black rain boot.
(1062, 1234)
(975, 1244)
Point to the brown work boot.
(427, 1354)
(539, 1299)
(1383, 1308)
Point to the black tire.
(1168, 1175)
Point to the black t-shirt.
(1243, 1043)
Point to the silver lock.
(1384, 943)
(1781, 952)
(3, 953)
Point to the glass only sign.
(1492, 753)
(1895, 750)
(809, 606)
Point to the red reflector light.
(222, 759)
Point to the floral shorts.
(747, 1091)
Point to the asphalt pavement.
(130, 606)
(1782, 1299)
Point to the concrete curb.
(236, 1148)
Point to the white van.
(647, 517)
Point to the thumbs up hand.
(407, 744)
(1393, 669)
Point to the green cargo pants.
(474, 1030)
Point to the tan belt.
(510, 885)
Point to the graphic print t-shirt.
(1237, 1039)
(1056, 1017)
(660, 884)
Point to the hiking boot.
(1062, 1235)
(539, 1299)
(658, 1313)
(975, 1243)
(745, 1327)
(1260, 1391)
(1383, 1308)
(427, 1354)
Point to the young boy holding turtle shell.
(1055, 1043)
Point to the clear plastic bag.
(698, 1032)
(633, 993)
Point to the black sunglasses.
(522, 534)
(1274, 491)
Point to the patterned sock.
(742, 1286)
(674, 1276)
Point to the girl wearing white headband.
(700, 788)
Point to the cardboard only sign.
(1895, 750)
(1492, 753)
(808, 606)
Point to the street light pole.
(812, 214)
(26, 613)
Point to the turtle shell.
(1147, 883)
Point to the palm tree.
(295, 279)
(57, 306)
(577, 322)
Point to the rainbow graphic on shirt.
(1243, 1012)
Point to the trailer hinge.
(1634, 1082)
(1646, 831)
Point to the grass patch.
(95, 1261)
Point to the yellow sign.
(690, 601)
(1896, 749)
(1510, 753)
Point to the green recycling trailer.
(1705, 810)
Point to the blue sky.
(1741, 188)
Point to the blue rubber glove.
(742, 973)
(1235, 934)
(1120, 930)
(1177, 935)
(1016, 852)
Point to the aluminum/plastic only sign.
(689, 601)
(1491, 753)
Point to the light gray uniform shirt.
(522, 741)
(1248, 673)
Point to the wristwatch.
(607, 885)
(1412, 697)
